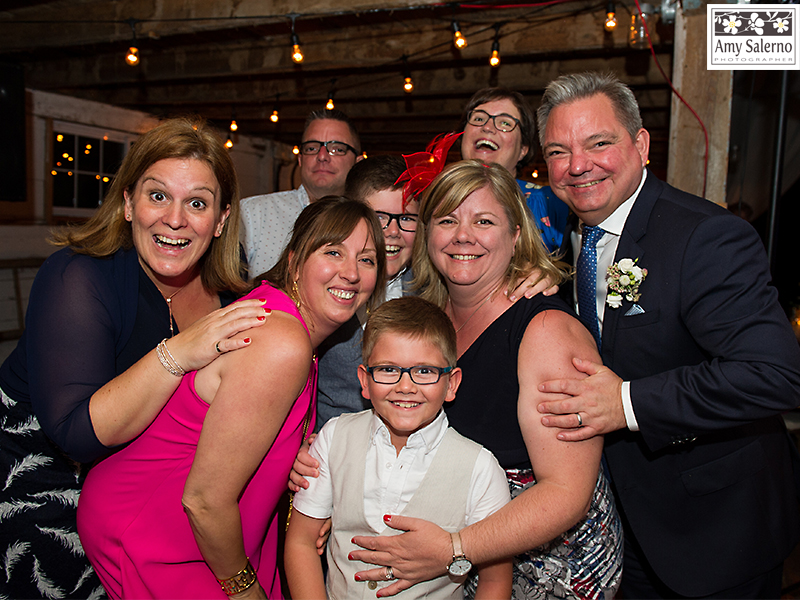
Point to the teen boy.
(398, 458)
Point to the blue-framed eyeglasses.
(421, 374)
(503, 122)
(334, 148)
(405, 221)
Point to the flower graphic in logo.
(782, 25)
(731, 23)
(623, 279)
(756, 23)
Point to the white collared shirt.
(392, 479)
(606, 250)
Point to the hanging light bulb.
(274, 116)
(611, 17)
(458, 38)
(494, 60)
(229, 143)
(297, 53)
(234, 126)
(535, 173)
(296, 150)
(132, 58)
(329, 104)
(408, 84)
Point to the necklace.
(169, 306)
(485, 300)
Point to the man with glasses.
(330, 147)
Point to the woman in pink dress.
(189, 509)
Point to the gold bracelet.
(173, 367)
(239, 582)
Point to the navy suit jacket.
(707, 485)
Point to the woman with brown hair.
(133, 300)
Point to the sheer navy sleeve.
(80, 315)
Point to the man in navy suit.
(697, 369)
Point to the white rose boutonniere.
(623, 279)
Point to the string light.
(274, 116)
(535, 173)
(234, 125)
(458, 38)
(229, 143)
(408, 84)
(296, 150)
(611, 17)
(494, 60)
(297, 53)
(132, 58)
(329, 105)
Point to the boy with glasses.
(398, 458)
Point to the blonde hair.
(414, 317)
(446, 193)
(108, 231)
(329, 220)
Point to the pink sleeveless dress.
(130, 518)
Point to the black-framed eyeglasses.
(421, 374)
(334, 148)
(502, 122)
(405, 221)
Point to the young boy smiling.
(398, 458)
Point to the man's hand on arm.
(598, 400)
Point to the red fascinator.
(423, 167)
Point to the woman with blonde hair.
(475, 236)
(137, 296)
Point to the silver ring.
(580, 419)
(217, 347)
(389, 574)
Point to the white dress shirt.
(392, 479)
(606, 250)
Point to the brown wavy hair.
(108, 231)
(329, 220)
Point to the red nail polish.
(262, 300)
(246, 340)
(387, 518)
(268, 310)
(358, 577)
(261, 318)
(350, 556)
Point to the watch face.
(459, 567)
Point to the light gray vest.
(441, 498)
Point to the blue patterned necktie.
(586, 275)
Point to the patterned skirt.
(41, 554)
(583, 563)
